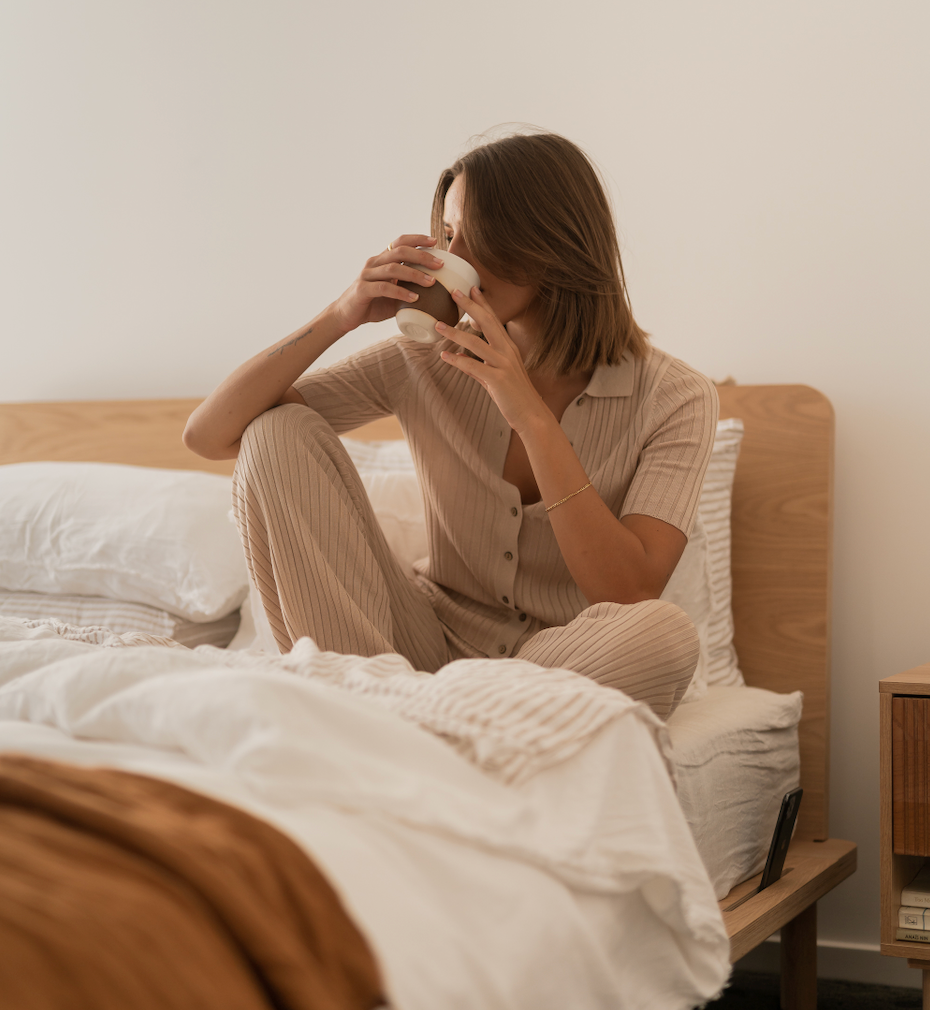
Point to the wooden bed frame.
(782, 529)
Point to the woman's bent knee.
(278, 422)
(277, 434)
(675, 651)
(649, 650)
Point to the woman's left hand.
(498, 365)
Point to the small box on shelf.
(917, 893)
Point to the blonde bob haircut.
(535, 213)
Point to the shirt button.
(523, 617)
(502, 649)
(513, 511)
(580, 400)
(508, 555)
(504, 598)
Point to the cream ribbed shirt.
(642, 429)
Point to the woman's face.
(510, 302)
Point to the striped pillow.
(119, 617)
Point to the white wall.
(184, 183)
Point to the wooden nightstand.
(904, 818)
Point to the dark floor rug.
(751, 990)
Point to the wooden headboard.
(782, 530)
(782, 524)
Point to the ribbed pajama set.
(495, 583)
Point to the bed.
(781, 518)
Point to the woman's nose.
(458, 248)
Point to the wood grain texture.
(799, 961)
(896, 871)
(914, 681)
(910, 776)
(923, 966)
(133, 432)
(815, 869)
(782, 527)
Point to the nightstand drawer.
(910, 756)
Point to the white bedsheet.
(579, 885)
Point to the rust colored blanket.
(121, 892)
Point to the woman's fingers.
(476, 305)
(388, 289)
(397, 272)
(376, 293)
(400, 261)
(470, 341)
(413, 241)
(464, 364)
(406, 249)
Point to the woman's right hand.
(375, 294)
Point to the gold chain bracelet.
(572, 495)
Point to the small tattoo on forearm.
(280, 350)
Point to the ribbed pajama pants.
(323, 568)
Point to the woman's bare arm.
(617, 560)
(215, 428)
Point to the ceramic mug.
(435, 303)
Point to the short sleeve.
(361, 388)
(670, 471)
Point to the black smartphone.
(784, 826)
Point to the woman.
(561, 456)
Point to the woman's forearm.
(607, 559)
(216, 426)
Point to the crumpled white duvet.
(536, 862)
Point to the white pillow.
(159, 537)
(390, 478)
(701, 584)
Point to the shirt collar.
(613, 380)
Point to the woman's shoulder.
(660, 361)
(655, 373)
(669, 386)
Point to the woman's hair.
(535, 213)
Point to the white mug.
(435, 303)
